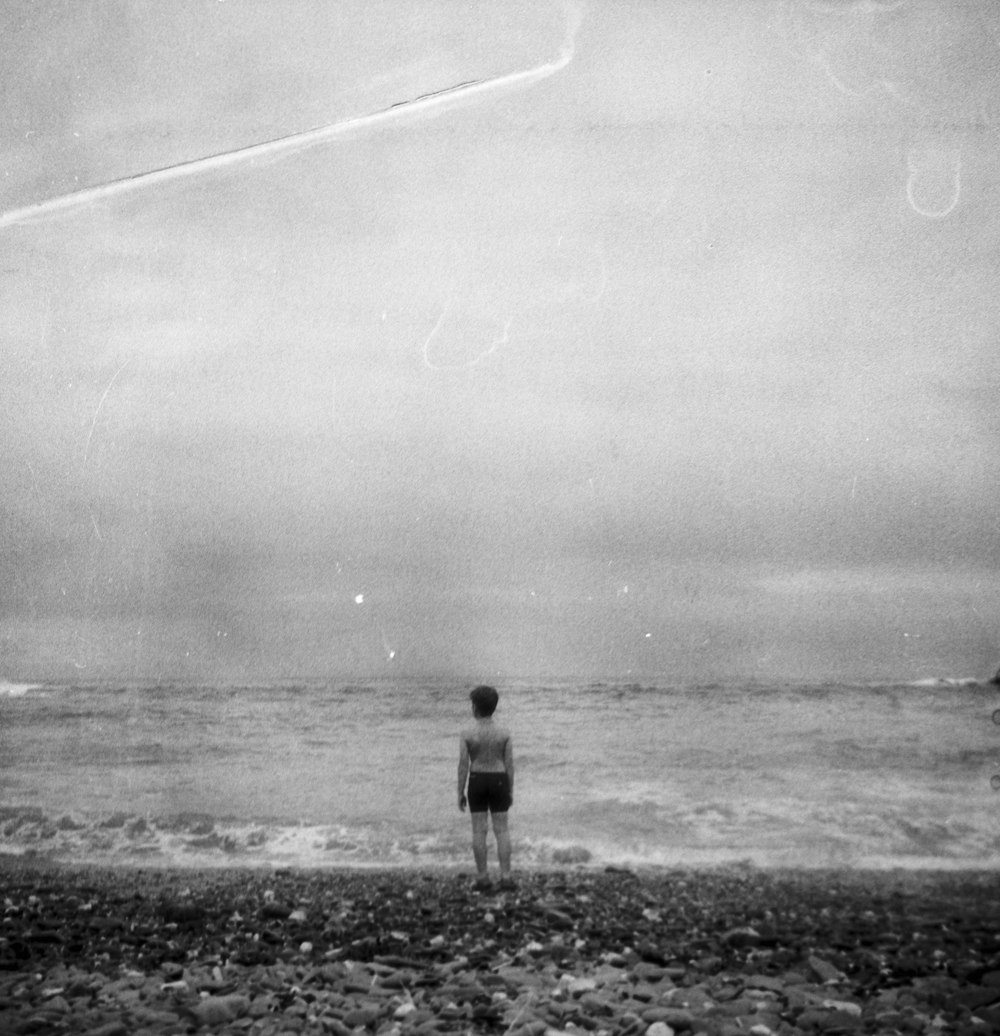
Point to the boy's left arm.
(508, 762)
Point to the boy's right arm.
(463, 771)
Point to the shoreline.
(394, 951)
(865, 866)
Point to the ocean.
(332, 774)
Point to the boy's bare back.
(488, 746)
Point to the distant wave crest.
(16, 690)
(945, 681)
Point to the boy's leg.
(502, 835)
(479, 823)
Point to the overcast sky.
(678, 359)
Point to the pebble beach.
(607, 952)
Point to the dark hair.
(484, 700)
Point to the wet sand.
(723, 952)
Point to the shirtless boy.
(486, 758)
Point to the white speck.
(359, 599)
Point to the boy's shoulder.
(475, 732)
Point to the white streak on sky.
(434, 331)
(296, 142)
(93, 424)
(860, 7)
(488, 351)
(934, 184)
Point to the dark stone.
(106, 924)
(52, 938)
(978, 996)
(650, 953)
(181, 913)
(116, 820)
(558, 919)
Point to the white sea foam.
(195, 842)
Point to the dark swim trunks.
(489, 791)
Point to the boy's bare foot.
(482, 884)
(507, 883)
